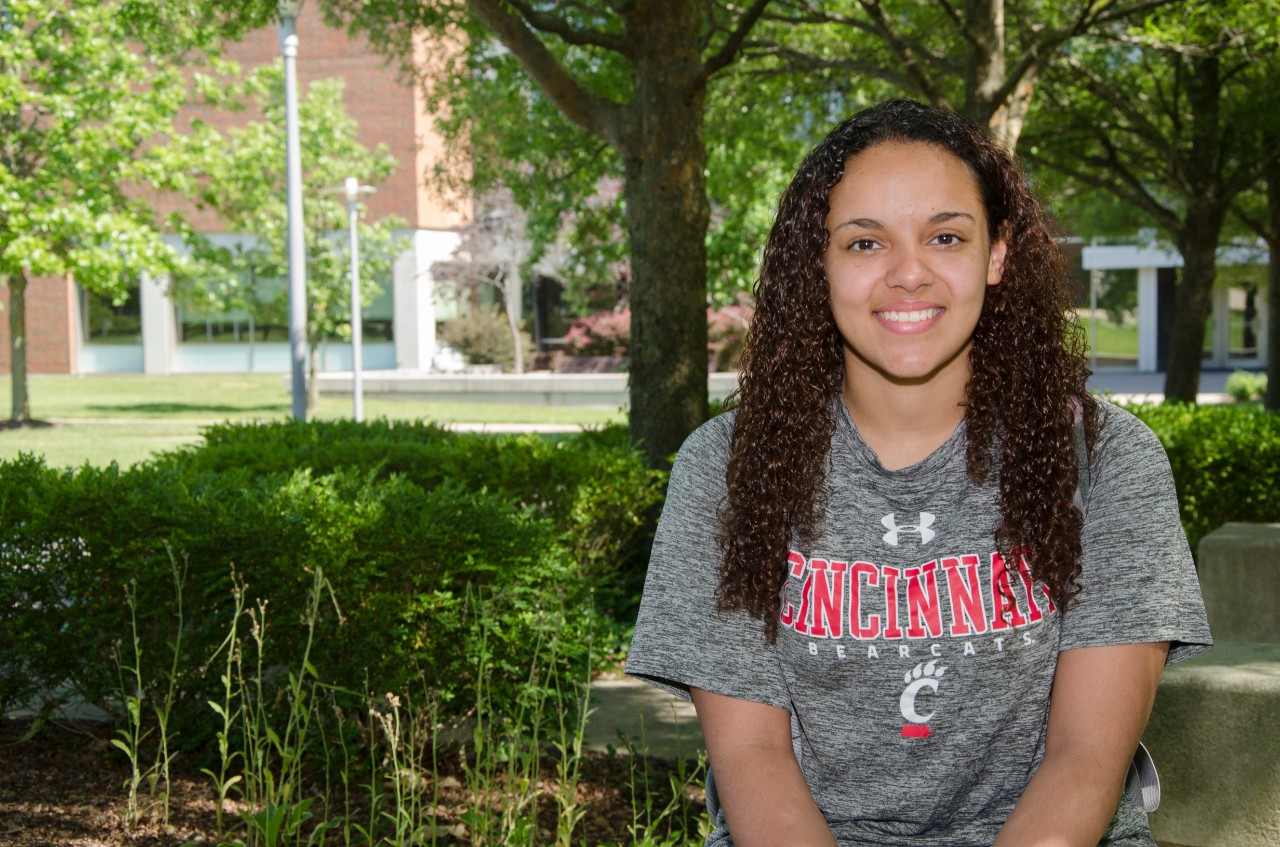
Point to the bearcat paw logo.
(921, 678)
(922, 671)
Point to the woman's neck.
(904, 423)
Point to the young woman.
(919, 584)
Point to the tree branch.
(810, 16)
(729, 50)
(954, 15)
(1120, 101)
(799, 61)
(1121, 12)
(1091, 15)
(569, 34)
(599, 116)
(1121, 183)
(902, 48)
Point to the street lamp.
(288, 10)
(353, 189)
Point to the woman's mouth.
(914, 316)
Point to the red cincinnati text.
(956, 596)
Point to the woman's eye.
(947, 239)
(862, 245)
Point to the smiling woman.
(872, 572)
(908, 264)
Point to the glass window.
(109, 321)
(260, 313)
(377, 318)
(1112, 328)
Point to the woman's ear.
(995, 266)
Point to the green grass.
(103, 418)
(1116, 340)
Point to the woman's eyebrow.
(943, 217)
(872, 223)
(862, 223)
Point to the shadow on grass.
(9, 424)
(125, 409)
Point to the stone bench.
(1239, 571)
(1215, 737)
(1215, 731)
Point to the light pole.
(288, 10)
(353, 189)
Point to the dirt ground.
(67, 788)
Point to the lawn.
(104, 418)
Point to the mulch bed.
(67, 787)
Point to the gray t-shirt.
(915, 661)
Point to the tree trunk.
(1011, 116)
(1192, 304)
(667, 216)
(20, 410)
(1272, 398)
(985, 71)
(1201, 227)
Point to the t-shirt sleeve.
(681, 640)
(1138, 582)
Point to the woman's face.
(908, 263)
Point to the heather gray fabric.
(916, 663)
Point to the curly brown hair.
(1025, 394)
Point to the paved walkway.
(1126, 385)
(626, 712)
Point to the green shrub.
(1225, 460)
(483, 337)
(415, 529)
(1243, 386)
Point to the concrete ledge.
(1215, 737)
(609, 390)
(1239, 568)
(539, 388)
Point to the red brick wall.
(387, 110)
(384, 106)
(51, 330)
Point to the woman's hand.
(764, 795)
(1102, 697)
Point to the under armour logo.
(926, 534)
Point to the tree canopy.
(1165, 116)
(242, 179)
(83, 118)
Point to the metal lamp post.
(288, 10)
(353, 189)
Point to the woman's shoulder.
(1128, 459)
(1121, 431)
(709, 442)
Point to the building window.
(107, 321)
(260, 314)
(1112, 328)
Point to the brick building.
(73, 331)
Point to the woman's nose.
(908, 270)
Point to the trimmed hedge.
(427, 538)
(1225, 460)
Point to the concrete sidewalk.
(1125, 385)
(628, 711)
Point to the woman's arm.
(764, 795)
(1099, 706)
